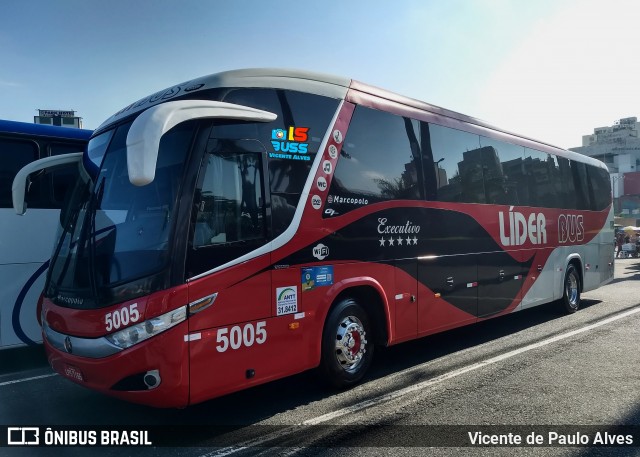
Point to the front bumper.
(99, 365)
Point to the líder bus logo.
(520, 228)
(570, 228)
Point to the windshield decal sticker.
(290, 143)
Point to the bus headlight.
(137, 333)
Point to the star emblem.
(391, 242)
(382, 241)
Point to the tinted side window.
(460, 162)
(579, 175)
(567, 191)
(63, 179)
(540, 179)
(379, 160)
(601, 185)
(14, 154)
(502, 171)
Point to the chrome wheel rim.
(351, 343)
(572, 290)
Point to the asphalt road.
(534, 373)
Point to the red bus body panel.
(240, 341)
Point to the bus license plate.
(73, 373)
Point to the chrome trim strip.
(94, 348)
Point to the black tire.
(571, 290)
(347, 344)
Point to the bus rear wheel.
(571, 294)
(347, 344)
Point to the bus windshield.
(112, 232)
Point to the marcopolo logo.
(347, 200)
(570, 228)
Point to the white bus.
(26, 242)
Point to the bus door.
(451, 296)
(229, 222)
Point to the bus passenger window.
(64, 179)
(380, 160)
(462, 164)
(502, 171)
(599, 178)
(15, 155)
(541, 179)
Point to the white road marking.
(27, 379)
(416, 387)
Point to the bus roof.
(303, 81)
(316, 83)
(51, 131)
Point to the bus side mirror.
(19, 186)
(143, 139)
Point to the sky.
(552, 70)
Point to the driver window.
(231, 204)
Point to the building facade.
(618, 146)
(61, 118)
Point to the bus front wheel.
(347, 344)
(571, 294)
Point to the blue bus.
(26, 242)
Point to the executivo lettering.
(408, 227)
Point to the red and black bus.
(253, 224)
